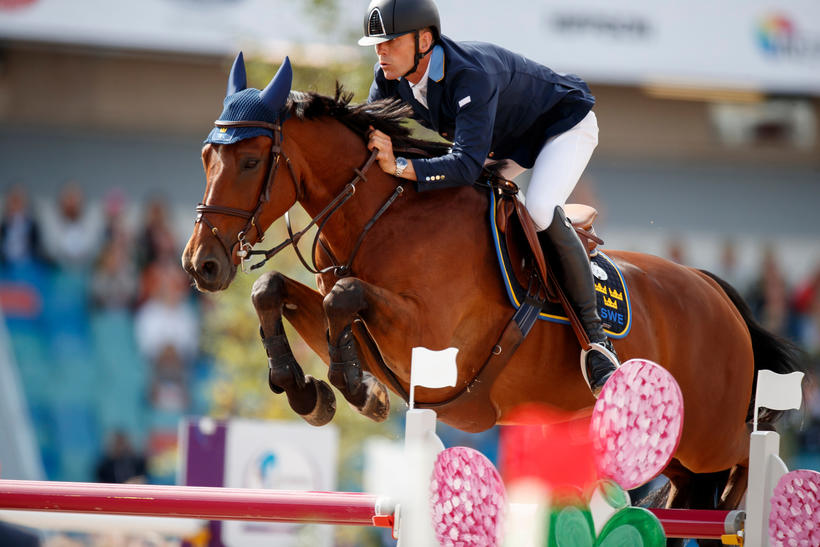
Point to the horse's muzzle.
(210, 272)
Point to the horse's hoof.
(325, 407)
(377, 404)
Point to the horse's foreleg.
(274, 294)
(349, 298)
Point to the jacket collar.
(435, 84)
(436, 72)
(435, 76)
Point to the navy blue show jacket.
(490, 103)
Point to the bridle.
(252, 217)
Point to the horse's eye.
(250, 163)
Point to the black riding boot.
(566, 252)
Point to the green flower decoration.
(571, 522)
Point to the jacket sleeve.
(474, 98)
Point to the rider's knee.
(542, 211)
(345, 298)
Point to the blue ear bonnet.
(251, 104)
(243, 106)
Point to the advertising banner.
(261, 454)
(761, 45)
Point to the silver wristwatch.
(401, 165)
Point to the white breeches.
(557, 169)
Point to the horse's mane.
(386, 115)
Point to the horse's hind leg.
(735, 488)
(348, 298)
(694, 491)
(274, 294)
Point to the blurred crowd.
(105, 329)
(790, 309)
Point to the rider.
(493, 105)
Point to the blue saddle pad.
(610, 287)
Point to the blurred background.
(708, 155)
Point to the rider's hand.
(378, 140)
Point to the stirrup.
(603, 350)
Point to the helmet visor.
(373, 40)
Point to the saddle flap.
(530, 234)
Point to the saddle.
(527, 256)
(515, 222)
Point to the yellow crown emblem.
(600, 288)
(611, 303)
(615, 294)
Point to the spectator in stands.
(114, 282)
(167, 317)
(20, 239)
(74, 233)
(807, 305)
(168, 385)
(115, 230)
(120, 463)
(768, 296)
(728, 267)
(156, 241)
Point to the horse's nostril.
(210, 268)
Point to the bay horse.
(399, 269)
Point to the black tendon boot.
(564, 249)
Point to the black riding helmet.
(388, 19)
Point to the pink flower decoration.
(636, 423)
(467, 499)
(795, 517)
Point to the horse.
(397, 269)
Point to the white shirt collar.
(420, 89)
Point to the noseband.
(246, 249)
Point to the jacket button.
(427, 179)
(492, 154)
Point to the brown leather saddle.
(526, 255)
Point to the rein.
(320, 220)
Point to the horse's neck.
(332, 155)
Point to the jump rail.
(193, 502)
(356, 509)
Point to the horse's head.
(245, 188)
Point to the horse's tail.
(771, 352)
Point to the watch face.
(401, 165)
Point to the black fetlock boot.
(565, 250)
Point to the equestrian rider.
(493, 105)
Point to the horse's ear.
(238, 80)
(275, 95)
